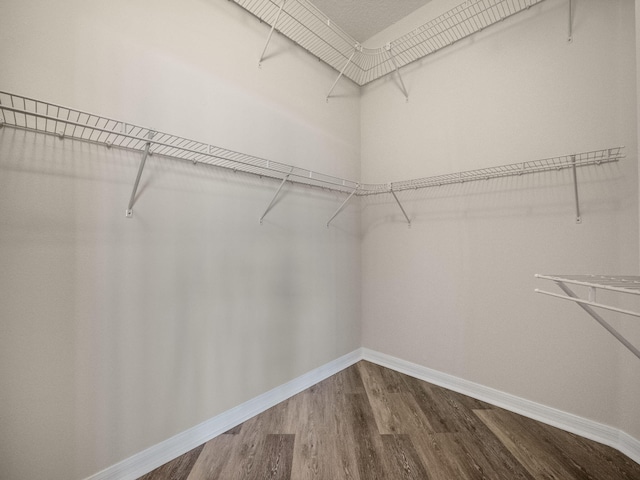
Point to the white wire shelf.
(27, 113)
(65, 122)
(619, 283)
(627, 284)
(303, 23)
(595, 157)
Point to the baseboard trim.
(598, 432)
(151, 458)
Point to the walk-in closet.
(299, 239)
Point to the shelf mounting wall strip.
(619, 284)
(40, 116)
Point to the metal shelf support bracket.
(273, 200)
(570, 37)
(273, 27)
(145, 154)
(575, 189)
(341, 207)
(356, 48)
(400, 205)
(395, 64)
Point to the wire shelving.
(304, 24)
(65, 122)
(629, 285)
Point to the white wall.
(116, 333)
(455, 292)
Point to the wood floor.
(368, 423)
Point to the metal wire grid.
(618, 283)
(307, 26)
(458, 23)
(31, 114)
(595, 157)
(315, 32)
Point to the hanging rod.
(307, 26)
(619, 284)
(36, 115)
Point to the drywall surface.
(116, 333)
(455, 292)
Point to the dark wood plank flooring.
(368, 422)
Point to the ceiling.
(364, 18)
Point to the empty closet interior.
(202, 203)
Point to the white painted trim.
(151, 458)
(598, 432)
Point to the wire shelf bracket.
(400, 205)
(145, 154)
(355, 49)
(273, 27)
(341, 207)
(395, 64)
(275, 195)
(575, 189)
(570, 36)
(626, 284)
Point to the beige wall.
(116, 333)
(455, 292)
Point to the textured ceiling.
(364, 18)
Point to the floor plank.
(402, 459)
(177, 469)
(395, 410)
(277, 458)
(213, 458)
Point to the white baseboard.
(151, 458)
(598, 432)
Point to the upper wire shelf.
(27, 113)
(595, 157)
(302, 22)
(31, 114)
